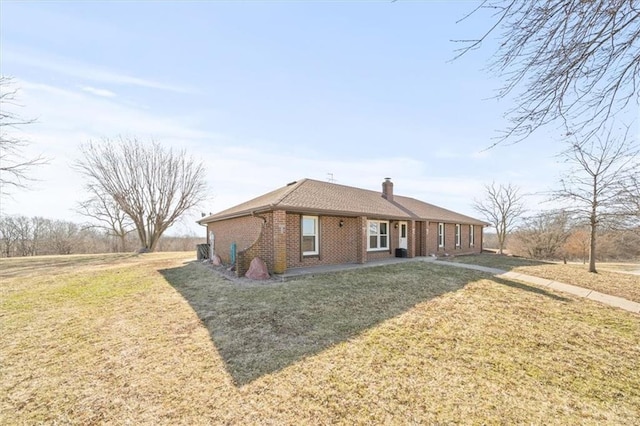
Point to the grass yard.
(605, 281)
(159, 339)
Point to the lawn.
(160, 339)
(605, 281)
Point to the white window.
(441, 234)
(458, 235)
(472, 236)
(309, 235)
(378, 233)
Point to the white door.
(402, 243)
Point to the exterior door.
(402, 243)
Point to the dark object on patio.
(203, 251)
(401, 252)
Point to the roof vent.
(292, 183)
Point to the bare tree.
(152, 185)
(502, 206)
(14, 166)
(8, 235)
(543, 235)
(64, 237)
(630, 196)
(593, 184)
(577, 244)
(571, 61)
(106, 214)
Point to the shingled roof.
(317, 197)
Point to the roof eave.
(247, 212)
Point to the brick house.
(309, 222)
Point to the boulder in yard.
(257, 270)
(216, 260)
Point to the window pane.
(308, 244)
(308, 226)
(383, 228)
(373, 242)
(383, 241)
(373, 228)
(403, 231)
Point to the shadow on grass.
(259, 329)
(529, 288)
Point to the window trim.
(316, 234)
(440, 234)
(458, 235)
(472, 236)
(379, 248)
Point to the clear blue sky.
(265, 93)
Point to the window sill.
(378, 249)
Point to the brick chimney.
(387, 189)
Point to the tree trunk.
(592, 241)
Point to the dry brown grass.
(497, 261)
(606, 281)
(163, 342)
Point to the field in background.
(160, 339)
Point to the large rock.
(216, 260)
(257, 270)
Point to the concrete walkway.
(314, 270)
(607, 299)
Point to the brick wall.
(263, 247)
(244, 231)
(336, 244)
(449, 240)
(275, 237)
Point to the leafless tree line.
(557, 235)
(34, 236)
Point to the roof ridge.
(403, 208)
(294, 185)
(343, 185)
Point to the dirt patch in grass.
(137, 347)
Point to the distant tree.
(630, 195)
(544, 235)
(24, 232)
(570, 61)
(8, 235)
(577, 244)
(14, 166)
(619, 244)
(39, 229)
(594, 182)
(63, 237)
(106, 214)
(152, 185)
(502, 206)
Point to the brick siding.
(449, 240)
(275, 237)
(336, 244)
(244, 231)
